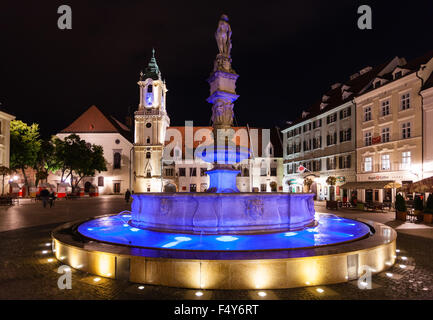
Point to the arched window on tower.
(148, 140)
(147, 155)
(116, 160)
(149, 88)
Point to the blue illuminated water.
(330, 230)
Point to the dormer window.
(346, 94)
(399, 72)
(345, 88)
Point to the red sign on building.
(375, 140)
(301, 168)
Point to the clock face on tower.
(149, 99)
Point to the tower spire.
(152, 70)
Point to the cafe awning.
(422, 186)
(386, 184)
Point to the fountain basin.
(222, 213)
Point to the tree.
(4, 171)
(91, 160)
(331, 180)
(25, 146)
(46, 161)
(77, 159)
(308, 182)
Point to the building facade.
(427, 119)
(389, 134)
(261, 173)
(322, 140)
(5, 120)
(95, 127)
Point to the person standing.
(127, 195)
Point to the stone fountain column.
(222, 83)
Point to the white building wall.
(427, 132)
(5, 120)
(111, 176)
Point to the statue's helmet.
(224, 17)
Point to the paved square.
(28, 269)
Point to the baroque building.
(322, 139)
(371, 133)
(151, 122)
(96, 127)
(389, 136)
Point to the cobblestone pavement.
(27, 273)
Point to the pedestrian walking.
(52, 198)
(127, 195)
(45, 194)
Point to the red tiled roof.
(94, 120)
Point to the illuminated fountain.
(225, 239)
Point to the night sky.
(287, 54)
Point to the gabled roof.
(94, 120)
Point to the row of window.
(385, 162)
(244, 172)
(193, 187)
(344, 162)
(346, 112)
(385, 108)
(315, 143)
(385, 135)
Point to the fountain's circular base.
(224, 269)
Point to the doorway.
(87, 186)
(368, 195)
(116, 187)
